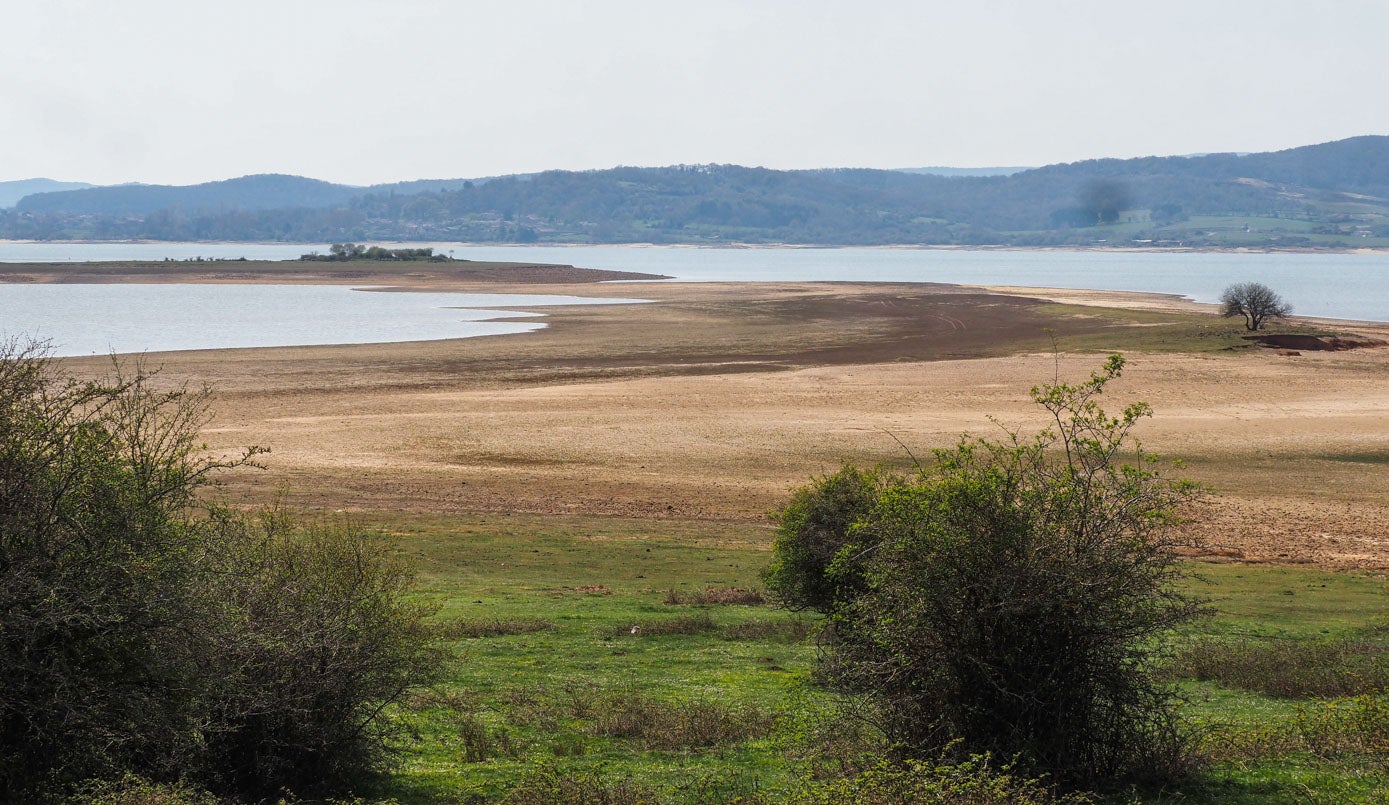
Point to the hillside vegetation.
(1333, 195)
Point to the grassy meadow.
(638, 658)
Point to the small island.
(343, 252)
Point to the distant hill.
(266, 191)
(1328, 195)
(261, 192)
(12, 192)
(942, 171)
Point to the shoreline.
(744, 246)
(465, 276)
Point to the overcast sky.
(359, 91)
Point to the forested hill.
(12, 192)
(1335, 194)
(267, 191)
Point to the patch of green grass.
(706, 702)
(1156, 331)
(1147, 331)
(711, 680)
(1278, 602)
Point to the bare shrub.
(325, 640)
(973, 781)
(1287, 668)
(724, 596)
(569, 745)
(552, 786)
(698, 623)
(767, 631)
(480, 742)
(683, 725)
(470, 628)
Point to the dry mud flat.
(717, 399)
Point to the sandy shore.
(718, 399)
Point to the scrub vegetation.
(145, 636)
(1010, 599)
(158, 648)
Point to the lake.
(127, 318)
(1352, 286)
(101, 319)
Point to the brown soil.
(717, 399)
(1312, 343)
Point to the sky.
(362, 92)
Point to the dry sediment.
(715, 401)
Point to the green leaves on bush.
(140, 635)
(820, 527)
(1007, 599)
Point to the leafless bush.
(779, 631)
(717, 595)
(467, 628)
(684, 725)
(1287, 668)
(698, 623)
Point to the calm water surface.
(1347, 286)
(101, 319)
(1353, 286)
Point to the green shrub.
(1356, 727)
(322, 638)
(1008, 600)
(819, 528)
(1359, 724)
(103, 620)
(141, 635)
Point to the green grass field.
(569, 656)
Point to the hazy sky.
(180, 91)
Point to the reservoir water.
(135, 318)
(1344, 286)
(101, 319)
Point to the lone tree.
(1009, 598)
(1256, 302)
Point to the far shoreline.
(468, 276)
(998, 247)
